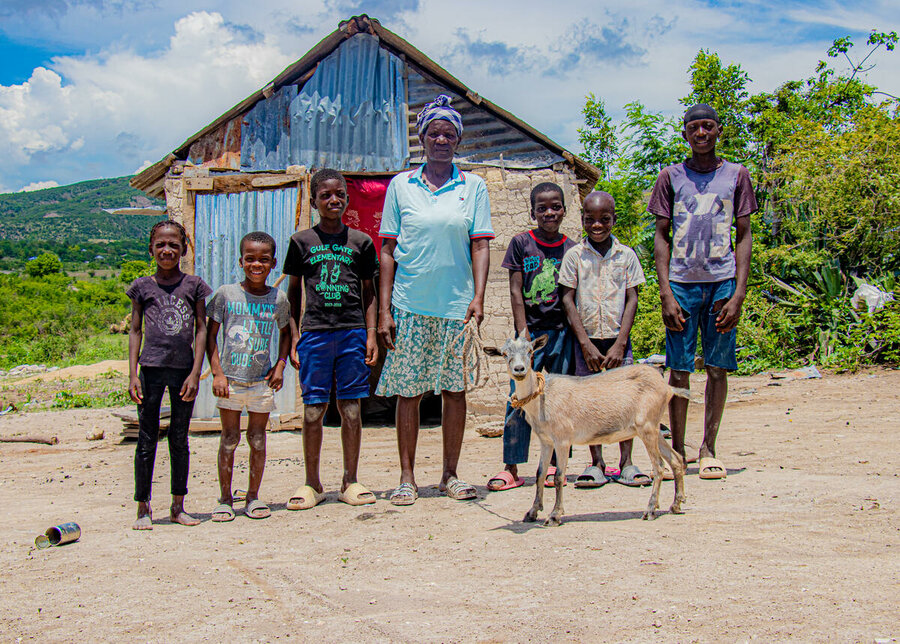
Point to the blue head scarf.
(438, 109)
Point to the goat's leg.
(677, 464)
(562, 460)
(546, 451)
(649, 434)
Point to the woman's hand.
(387, 329)
(476, 310)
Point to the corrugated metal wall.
(220, 222)
(350, 115)
(485, 137)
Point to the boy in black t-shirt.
(533, 260)
(336, 340)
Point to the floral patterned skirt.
(427, 356)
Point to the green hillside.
(70, 221)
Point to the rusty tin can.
(58, 535)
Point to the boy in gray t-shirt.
(243, 376)
(702, 276)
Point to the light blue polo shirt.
(433, 231)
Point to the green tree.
(133, 269)
(598, 136)
(44, 264)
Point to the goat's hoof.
(676, 509)
(530, 517)
(649, 515)
(552, 522)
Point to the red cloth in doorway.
(366, 196)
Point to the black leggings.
(154, 381)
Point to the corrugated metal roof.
(151, 180)
(221, 220)
(351, 114)
(266, 132)
(485, 137)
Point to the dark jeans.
(154, 381)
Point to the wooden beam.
(190, 215)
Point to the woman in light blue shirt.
(436, 230)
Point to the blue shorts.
(700, 305)
(333, 358)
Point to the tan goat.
(607, 407)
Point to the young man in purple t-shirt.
(702, 277)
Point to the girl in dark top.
(173, 306)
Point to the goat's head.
(518, 353)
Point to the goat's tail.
(681, 393)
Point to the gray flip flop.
(592, 477)
(633, 477)
(223, 513)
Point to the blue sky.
(99, 88)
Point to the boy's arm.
(662, 250)
(135, 335)
(616, 353)
(592, 357)
(192, 382)
(220, 382)
(370, 307)
(295, 298)
(275, 377)
(517, 301)
(731, 313)
(387, 330)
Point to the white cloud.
(164, 75)
(103, 114)
(39, 185)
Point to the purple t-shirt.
(702, 207)
(168, 319)
(539, 263)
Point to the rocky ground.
(801, 542)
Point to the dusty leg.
(678, 408)
(562, 460)
(256, 438)
(408, 436)
(453, 426)
(546, 451)
(716, 392)
(677, 464)
(312, 442)
(649, 434)
(228, 442)
(351, 438)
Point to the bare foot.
(143, 523)
(182, 517)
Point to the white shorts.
(258, 397)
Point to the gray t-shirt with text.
(249, 322)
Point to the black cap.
(700, 111)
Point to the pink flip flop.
(551, 472)
(509, 482)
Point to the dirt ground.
(801, 542)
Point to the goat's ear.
(492, 351)
(539, 342)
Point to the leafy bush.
(44, 264)
(133, 269)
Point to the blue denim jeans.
(557, 356)
(700, 304)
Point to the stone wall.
(510, 191)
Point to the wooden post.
(190, 214)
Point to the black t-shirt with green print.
(539, 263)
(332, 267)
